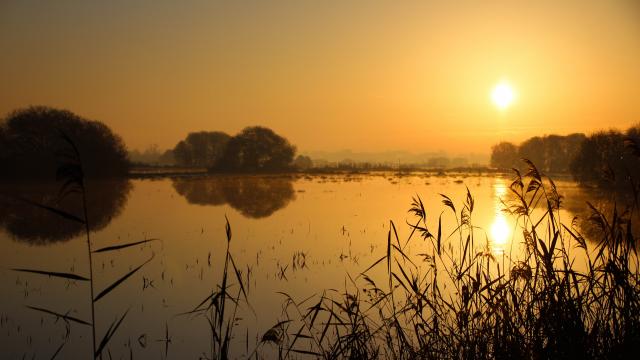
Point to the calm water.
(297, 235)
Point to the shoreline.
(168, 172)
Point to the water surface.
(297, 235)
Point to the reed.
(70, 173)
(457, 299)
(440, 293)
(213, 307)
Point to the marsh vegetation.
(316, 265)
(320, 273)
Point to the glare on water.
(500, 231)
(338, 222)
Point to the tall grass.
(71, 175)
(222, 319)
(442, 293)
(457, 299)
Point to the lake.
(291, 234)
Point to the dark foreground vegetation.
(441, 293)
(460, 300)
(71, 173)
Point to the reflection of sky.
(190, 230)
(499, 231)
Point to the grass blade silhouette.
(109, 334)
(123, 246)
(54, 274)
(62, 316)
(115, 284)
(57, 351)
(58, 212)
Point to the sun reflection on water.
(500, 230)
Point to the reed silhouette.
(609, 159)
(606, 159)
(442, 292)
(461, 301)
(221, 306)
(452, 298)
(71, 174)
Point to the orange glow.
(500, 230)
(502, 95)
(343, 75)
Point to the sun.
(502, 95)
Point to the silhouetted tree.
(167, 158)
(534, 150)
(257, 149)
(604, 160)
(152, 156)
(632, 140)
(31, 144)
(303, 162)
(504, 155)
(551, 153)
(203, 148)
(571, 147)
(554, 156)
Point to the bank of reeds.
(220, 308)
(459, 300)
(455, 298)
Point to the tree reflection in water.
(607, 202)
(253, 196)
(31, 224)
(576, 198)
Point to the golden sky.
(328, 75)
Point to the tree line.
(605, 158)
(34, 141)
(254, 149)
(550, 153)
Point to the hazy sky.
(328, 75)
